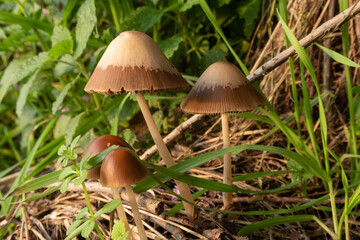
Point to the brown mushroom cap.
(98, 145)
(134, 62)
(121, 168)
(222, 88)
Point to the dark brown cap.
(121, 168)
(98, 145)
(134, 62)
(222, 88)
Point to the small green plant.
(119, 232)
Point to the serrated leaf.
(83, 212)
(89, 226)
(118, 230)
(110, 206)
(72, 128)
(24, 92)
(61, 48)
(74, 225)
(19, 73)
(60, 33)
(188, 4)
(66, 64)
(170, 45)
(36, 196)
(141, 19)
(86, 21)
(81, 179)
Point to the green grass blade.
(273, 222)
(217, 27)
(338, 57)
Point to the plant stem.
(121, 211)
(227, 175)
(333, 206)
(331, 233)
(91, 211)
(136, 213)
(165, 154)
(98, 106)
(88, 201)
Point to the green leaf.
(25, 69)
(251, 176)
(68, 9)
(170, 45)
(86, 21)
(61, 48)
(82, 213)
(213, 55)
(74, 225)
(24, 92)
(72, 128)
(188, 4)
(66, 64)
(273, 222)
(141, 19)
(81, 179)
(67, 172)
(338, 57)
(249, 11)
(110, 206)
(89, 226)
(75, 231)
(26, 22)
(60, 34)
(65, 184)
(180, 205)
(36, 196)
(74, 142)
(128, 136)
(118, 230)
(60, 98)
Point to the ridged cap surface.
(98, 145)
(134, 62)
(222, 88)
(121, 168)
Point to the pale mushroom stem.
(165, 154)
(136, 213)
(121, 212)
(227, 174)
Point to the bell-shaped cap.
(121, 168)
(134, 62)
(98, 145)
(222, 88)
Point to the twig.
(326, 28)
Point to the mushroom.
(133, 62)
(222, 88)
(96, 146)
(121, 168)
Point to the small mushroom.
(96, 146)
(222, 88)
(133, 62)
(121, 168)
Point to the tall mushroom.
(96, 146)
(133, 62)
(222, 88)
(121, 168)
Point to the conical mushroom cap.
(222, 88)
(98, 145)
(134, 62)
(121, 168)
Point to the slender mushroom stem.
(165, 154)
(121, 211)
(227, 178)
(136, 213)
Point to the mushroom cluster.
(133, 62)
